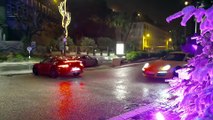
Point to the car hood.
(157, 64)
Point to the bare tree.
(29, 22)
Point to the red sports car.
(58, 65)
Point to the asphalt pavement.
(13, 68)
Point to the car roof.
(60, 57)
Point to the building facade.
(16, 10)
(149, 37)
(2, 19)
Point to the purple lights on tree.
(194, 84)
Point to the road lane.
(96, 95)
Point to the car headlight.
(166, 67)
(146, 65)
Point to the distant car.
(58, 65)
(87, 60)
(166, 66)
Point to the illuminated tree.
(194, 84)
(66, 16)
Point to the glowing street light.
(55, 1)
(148, 35)
(186, 3)
(139, 14)
(167, 43)
(145, 41)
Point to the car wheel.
(174, 73)
(76, 74)
(53, 73)
(35, 71)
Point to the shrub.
(11, 57)
(3, 57)
(135, 55)
(87, 43)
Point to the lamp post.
(66, 19)
(197, 5)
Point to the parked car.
(58, 65)
(87, 60)
(166, 66)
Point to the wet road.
(96, 95)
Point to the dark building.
(2, 18)
(13, 14)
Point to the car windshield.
(174, 57)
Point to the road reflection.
(66, 103)
(120, 90)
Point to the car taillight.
(63, 66)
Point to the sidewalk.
(153, 111)
(13, 68)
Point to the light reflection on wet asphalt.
(96, 95)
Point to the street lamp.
(167, 43)
(139, 14)
(186, 3)
(55, 1)
(145, 41)
(148, 35)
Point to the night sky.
(157, 10)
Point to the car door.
(45, 66)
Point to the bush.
(135, 55)
(3, 57)
(87, 43)
(11, 57)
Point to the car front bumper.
(165, 75)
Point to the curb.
(21, 72)
(16, 63)
(131, 114)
